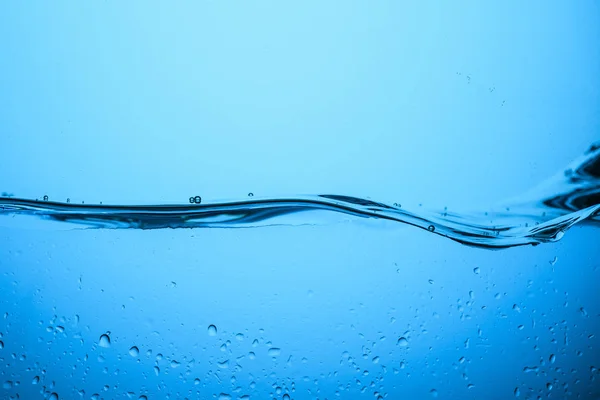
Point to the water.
(322, 200)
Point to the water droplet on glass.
(35, 380)
(1, 344)
(134, 351)
(104, 341)
(53, 396)
(68, 200)
(431, 282)
(142, 397)
(517, 392)
(175, 364)
(197, 199)
(274, 351)
(402, 342)
(433, 392)
(156, 371)
(250, 194)
(224, 396)
(476, 270)
(45, 197)
(212, 330)
(431, 228)
(552, 358)
(196, 381)
(7, 385)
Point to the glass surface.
(313, 200)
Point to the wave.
(541, 216)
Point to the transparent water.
(394, 201)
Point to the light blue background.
(151, 102)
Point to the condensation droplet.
(274, 351)
(476, 270)
(212, 330)
(104, 341)
(35, 380)
(134, 351)
(403, 342)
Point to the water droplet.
(476, 270)
(134, 351)
(549, 386)
(7, 385)
(250, 194)
(224, 396)
(402, 342)
(68, 200)
(156, 370)
(35, 380)
(104, 341)
(45, 197)
(552, 358)
(517, 392)
(212, 330)
(431, 282)
(554, 260)
(433, 392)
(1, 344)
(53, 396)
(431, 228)
(197, 199)
(274, 351)
(175, 364)
(196, 381)
(142, 397)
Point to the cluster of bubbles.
(195, 199)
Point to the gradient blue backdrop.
(458, 104)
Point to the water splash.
(541, 216)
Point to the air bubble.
(250, 194)
(45, 197)
(431, 228)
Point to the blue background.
(458, 104)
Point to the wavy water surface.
(540, 216)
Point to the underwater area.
(261, 200)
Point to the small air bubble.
(45, 197)
(431, 228)
(197, 199)
(250, 194)
(212, 330)
(191, 200)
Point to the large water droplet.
(104, 341)
(403, 342)
(274, 351)
(134, 351)
(212, 330)
(53, 396)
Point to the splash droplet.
(134, 351)
(104, 341)
(212, 330)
